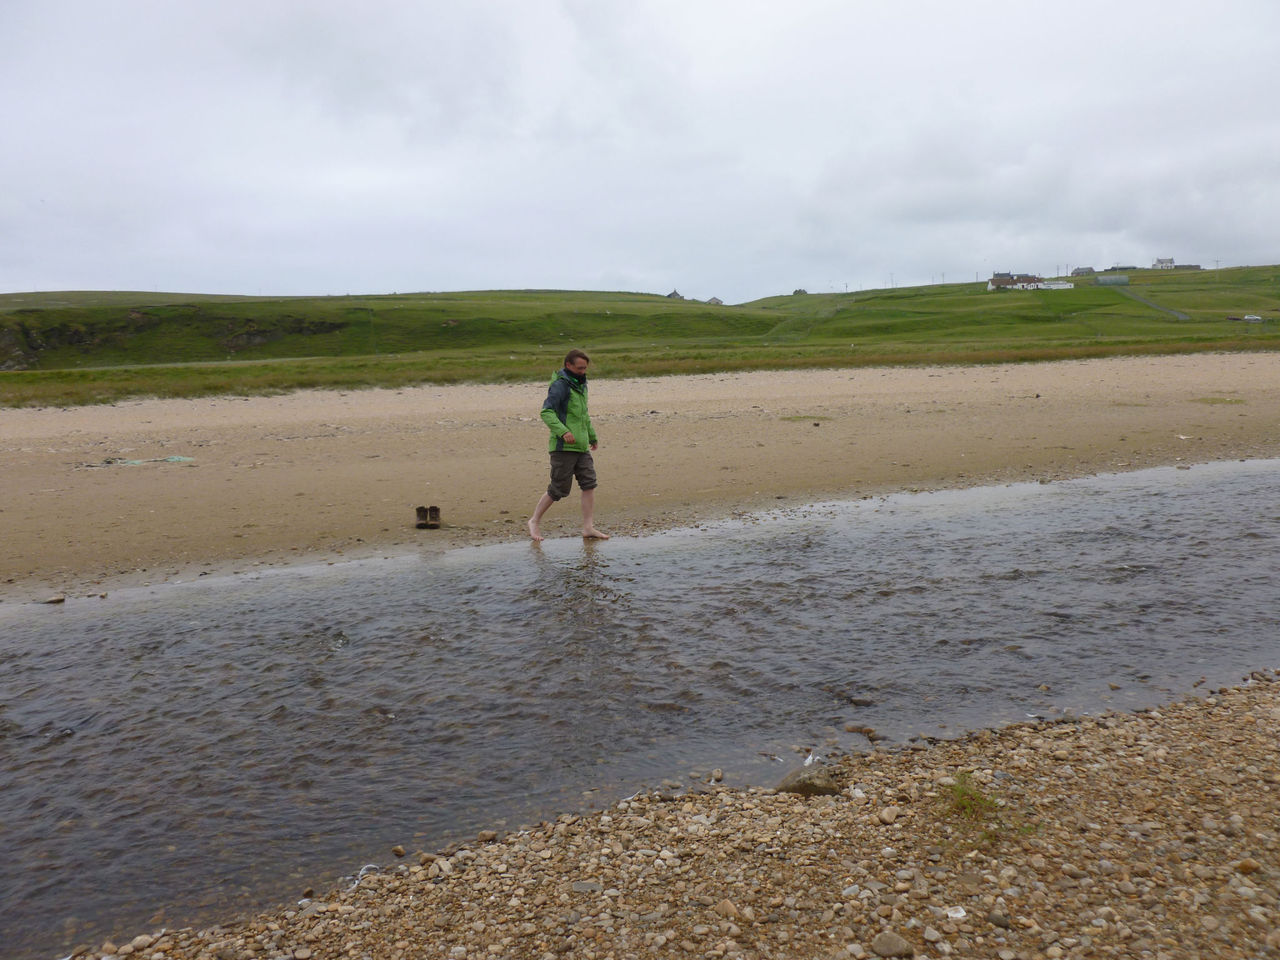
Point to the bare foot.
(534, 531)
(591, 533)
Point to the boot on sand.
(423, 521)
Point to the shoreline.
(326, 475)
(1152, 830)
(1148, 834)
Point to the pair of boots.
(428, 518)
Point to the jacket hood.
(572, 377)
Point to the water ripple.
(156, 743)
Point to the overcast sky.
(725, 148)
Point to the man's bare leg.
(589, 531)
(543, 506)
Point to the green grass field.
(91, 347)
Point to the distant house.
(1012, 281)
(1113, 280)
(1083, 272)
(1025, 281)
(716, 302)
(1162, 263)
(674, 295)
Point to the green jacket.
(565, 411)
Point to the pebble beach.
(1123, 835)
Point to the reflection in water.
(153, 745)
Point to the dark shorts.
(569, 465)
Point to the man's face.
(578, 367)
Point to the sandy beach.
(93, 501)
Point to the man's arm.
(554, 406)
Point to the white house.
(1025, 281)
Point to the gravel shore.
(1154, 834)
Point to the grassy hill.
(81, 347)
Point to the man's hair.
(573, 355)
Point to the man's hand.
(594, 445)
(567, 437)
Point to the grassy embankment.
(75, 348)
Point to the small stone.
(889, 944)
(727, 909)
(56, 598)
(398, 850)
(932, 935)
(809, 782)
(998, 919)
(302, 953)
(586, 886)
(888, 815)
(487, 836)
(1248, 865)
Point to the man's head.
(575, 362)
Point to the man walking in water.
(572, 440)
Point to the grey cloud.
(731, 149)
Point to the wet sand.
(332, 475)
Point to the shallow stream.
(174, 754)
